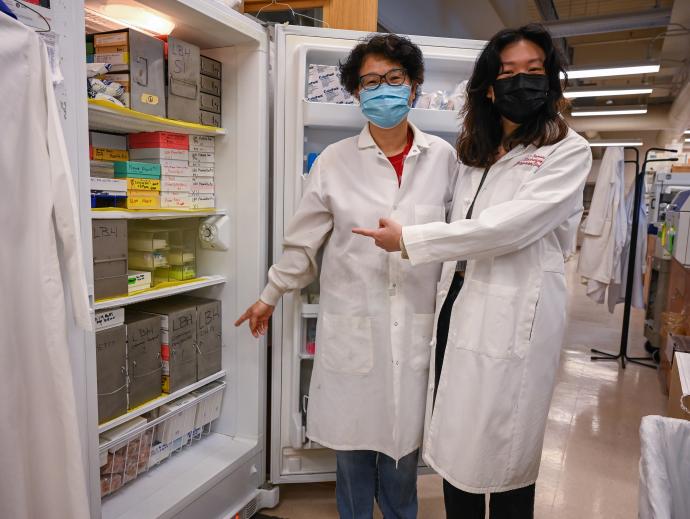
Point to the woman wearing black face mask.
(502, 296)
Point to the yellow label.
(149, 99)
(143, 202)
(166, 384)
(143, 184)
(108, 154)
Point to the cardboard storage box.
(209, 118)
(179, 141)
(180, 422)
(108, 318)
(184, 80)
(159, 154)
(208, 409)
(111, 373)
(144, 365)
(178, 341)
(109, 239)
(202, 143)
(679, 395)
(210, 85)
(107, 140)
(208, 335)
(210, 103)
(211, 67)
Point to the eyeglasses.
(394, 77)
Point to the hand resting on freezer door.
(258, 315)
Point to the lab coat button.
(395, 323)
(397, 363)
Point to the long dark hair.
(482, 132)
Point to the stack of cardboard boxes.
(109, 258)
(104, 150)
(210, 87)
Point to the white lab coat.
(376, 311)
(605, 228)
(616, 292)
(41, 466)
(485, 431)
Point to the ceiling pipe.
(659, 17)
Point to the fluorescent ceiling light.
(606, 110)
(687, 140)
(613, 71)
(687, 132)
(138, 17)
(605, 92)
(615, 142)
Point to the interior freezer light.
(139, 17)
(575, 93)
(613, 71)
(620, 110)
(613, 142)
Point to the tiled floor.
(589, 466)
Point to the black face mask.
(520, 96)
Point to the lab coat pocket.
(487, 320)
(429, 213)
(420, 346)
(346, 345)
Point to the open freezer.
(302, 129)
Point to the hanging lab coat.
(484, 432)
(376, 311)
(616, 293)
(605, 229)
(41, 465)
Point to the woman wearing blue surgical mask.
(502, 297)
(371, 369)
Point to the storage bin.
(111, 373)
(184, 68)
(116, 286)
(144, 364)
(109, 239)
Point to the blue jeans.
(363, 476)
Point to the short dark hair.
(390, 46)
(482, 132)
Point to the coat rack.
(639, 179)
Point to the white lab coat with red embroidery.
(485, 431)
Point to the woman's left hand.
(387, 236)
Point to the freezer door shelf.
(341, 116)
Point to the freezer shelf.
(179, 287)
(157, 402)
(107, 116)
(341, 116)
(161, 214)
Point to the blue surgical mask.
(386, 106)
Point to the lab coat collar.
(367, 141)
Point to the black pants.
(514, 504)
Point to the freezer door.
(302, 129)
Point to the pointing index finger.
(370, 233)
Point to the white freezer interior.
(300, 128)
(222, 473)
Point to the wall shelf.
(157, 293)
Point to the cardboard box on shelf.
(210, 85)
(143, 200)
(679, 394)
(114, 58)
(110, 185)
(178, 341)
(141, 169)
(188, 200)
(202, 157)
(109, 318)
(159, 154)
(107, 154)
(138, 280)
(210, 103)
(111, 373)
(183, 80)
(109, 239)
(111, 49)
(209, 335)
(209, 118)
(202, 143)
(171, 140)
(203, 170)
(107, 140)
(110, 38)
(211, 67)
(143, 356)
(143, 184)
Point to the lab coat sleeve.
(65, 213)
(551, 196)
(306, 232)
